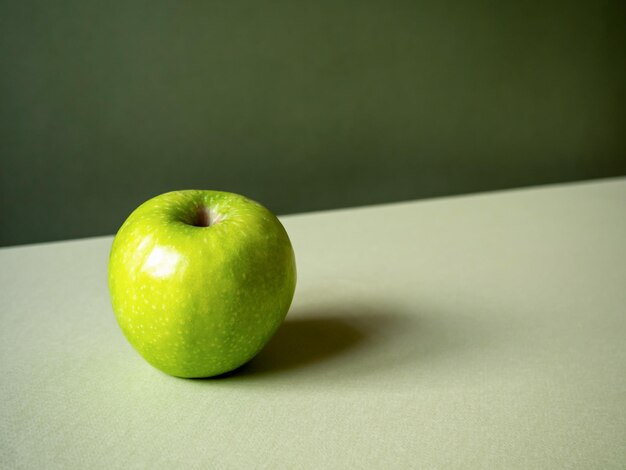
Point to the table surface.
(485, 331)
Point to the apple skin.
(197, 300)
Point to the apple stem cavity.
(206, 217)
(203, 217)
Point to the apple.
(200, 280)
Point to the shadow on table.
(305, 341)
(309, 337)
(346, 342)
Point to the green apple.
(200, 280)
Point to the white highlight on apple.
(214, 216)
(162, 262)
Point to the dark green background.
(300, 105)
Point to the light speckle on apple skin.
(200, 301)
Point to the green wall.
(300, 105)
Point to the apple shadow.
(311, 337)
(340, 342)
(303, 342)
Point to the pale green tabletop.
(486, 331)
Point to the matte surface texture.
(467, 332)
(304, 106)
